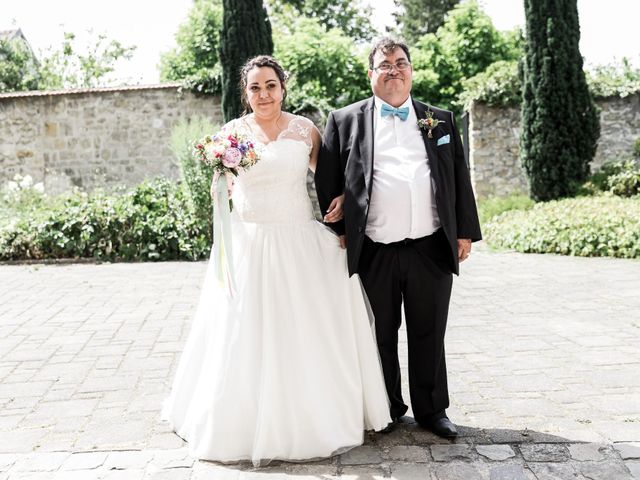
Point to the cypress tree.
(246, 32)
(560, 122)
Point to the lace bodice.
(274, 190)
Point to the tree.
(352, 17)
(465, 45)
(246, 32)
(18, 66)
(560, 124)
(195, 59)
(65, 67)
(326, 71)
(419, 17)
(69, 68)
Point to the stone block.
(546, 452)
(586, 452)
(364, 455)
(447, 453)
(603, 470)
(411, 471)
(457, 471)
(628, 451)
(496, 452)
(407, 453)
(508, 472)
(84, 461)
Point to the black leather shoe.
(392, 426)
(443, 427)
(396, 422)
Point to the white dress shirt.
(402, 203)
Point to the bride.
(287, 368)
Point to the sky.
(609, 29)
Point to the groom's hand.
(343, 241)
(464, 248)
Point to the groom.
(409, 217)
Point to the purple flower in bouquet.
(232, 157)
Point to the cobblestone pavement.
(543, 356)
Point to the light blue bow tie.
(401, 113)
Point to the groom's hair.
(387, 45)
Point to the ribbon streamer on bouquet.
(222, 246)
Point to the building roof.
(12, 34)
(71, 91)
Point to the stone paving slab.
(543, 357)
(368, 461)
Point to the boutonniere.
(429, 123)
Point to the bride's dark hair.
(258, 62)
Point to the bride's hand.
(335, 212)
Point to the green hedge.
(585, 226)
(493, 206)
(152, 222)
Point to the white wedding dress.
(288, 368)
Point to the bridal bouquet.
(228, 153)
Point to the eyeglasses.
(387, 67)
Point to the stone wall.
(95, 137)
(494, 137)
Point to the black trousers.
(416, 273)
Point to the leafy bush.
(20, 196)
(620, 177)
(195, 60)
(18, 66)
(498, 85)
(636, 148)
(152, 222)
(625, 183)
(615, 79)
(196, 175)
(465, 45)
(585, 226)
(326, 70)
(494, 206)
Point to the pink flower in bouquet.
(232, 157)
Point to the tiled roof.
(9, 34)
(125, 88)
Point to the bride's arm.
(335, 211)
(316, 140)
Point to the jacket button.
(360, 229)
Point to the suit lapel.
(429, 143)
(365, 125)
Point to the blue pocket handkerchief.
(443, 140)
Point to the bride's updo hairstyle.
(258, 62)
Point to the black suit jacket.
(345, 164)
